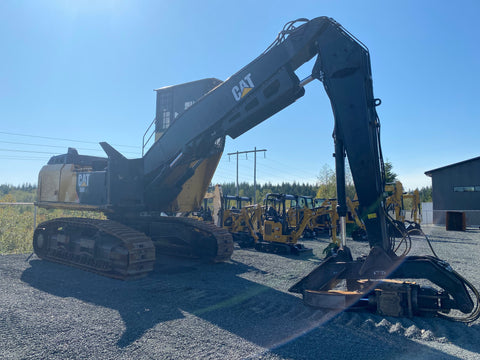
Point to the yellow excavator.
(172, 176)
(235, 217)
(324, 224)
(212, 208)
(395, 203)
(283, 221)
(296, 209)
(276, 226)
(358, 231)
(331, 219)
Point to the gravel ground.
(240, 309)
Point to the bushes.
(16, 221)
(16, 230)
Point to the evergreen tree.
(390, 176)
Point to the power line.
(27, 151)
(254, 168)
(306, 173)
(57, 146)
(22, 158)
(293, 167)
(267, 172)
(62, 139)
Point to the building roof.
(429, 172)
(215, 81)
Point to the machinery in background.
(276, 226)
(296, 210)
(174, 174)
(235, 217)
(328, 218)
(355, 226)
(358, 231)
(212, 208)
(284, 220)
(324, 223)
(395, 203)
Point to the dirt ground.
(240, 309)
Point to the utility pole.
(254, 169)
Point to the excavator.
(235, 217)
(275, 227)
(395, 203)
(173, 176)
(357, 227)
(282, 224)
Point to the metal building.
(456, 188)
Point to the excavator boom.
(174, 173)
(269, 84)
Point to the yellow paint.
(246, 91)
(195, 188)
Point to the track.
(104, 247)
(115, 250)
(187, 237)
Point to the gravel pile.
(235, 310)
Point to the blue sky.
(74, 73)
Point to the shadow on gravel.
(212, 292)
(345, 342)
(471, 342)
(467, 237)
(456, 242)
(217, 294)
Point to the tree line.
(325, 187)
(21, 193)
(247, 189)
(6, 188)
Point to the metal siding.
(444, 198)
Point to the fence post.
(34, 217)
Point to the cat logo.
(243, 87)
(82, 181)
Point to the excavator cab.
(233, 221)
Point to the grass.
(17, 223)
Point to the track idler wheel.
(40, 242)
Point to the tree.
(327, 183)
(390, 176)
(425, 194)
(246, 189)
(327, 187)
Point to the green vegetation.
(327, 183)
(16, 221)
(390, 176)
(425, 194)
(246, 189)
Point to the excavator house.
(172, 177)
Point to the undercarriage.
(115, 250)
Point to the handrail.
(16, 203)
(144, 144)
(25, 203)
